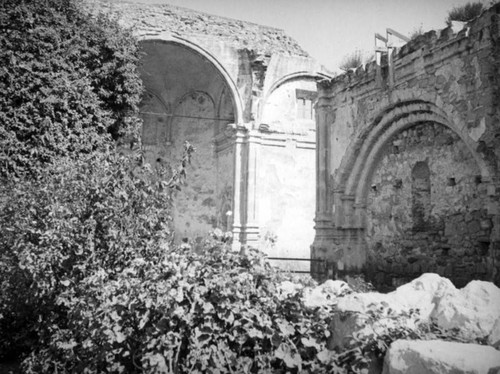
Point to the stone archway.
(397, 224)
(190, 98)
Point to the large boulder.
(356, 312)
(365, 315)
(424, 293)
(474, 310)
(494, 337)
(436, 356)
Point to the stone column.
(238, 212)
(323, 240)
(251, 227)
(323, 208)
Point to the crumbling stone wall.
(230, 88)
(425, 209)
(408, 160)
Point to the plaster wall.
(281, 109)
(225, 189)
(286, 173)
(286, 200)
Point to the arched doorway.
(412, 198)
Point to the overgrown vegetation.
(68, 86)
(90, 280)
(67, 82)
(352, 61)
(416, 33)
(465, 13)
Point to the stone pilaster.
(251, 227)
(238, 211)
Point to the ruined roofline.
(425, 44)
(148, 19)
(184, 9)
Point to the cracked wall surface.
(408, 150)
(243, 95)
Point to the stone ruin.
(409, 150)
(399, 158)
(243, 95)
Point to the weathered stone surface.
(232, 89)
(494, 337)
(150, 19)
(353, 313)
(424, 293)
(474, 309)
(435, 356)
(325, 294)
(287, 288)
(408, 178)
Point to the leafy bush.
(83, 215)
(352, 61)
(67, 81)
(416, 33)
(181, 312)
(465, 13)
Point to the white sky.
(331, 29)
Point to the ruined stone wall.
(434, 221)
(203, 27)
(408, 156)
(230, 88)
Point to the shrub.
(416, 33)
(67, 82)
(92, 213)
(465, 13)
(184, 312)
(352, 61)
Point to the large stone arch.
(356, 216)
(210, 59)
(195, 100)
(292, 76)
(360, 156)
(300, 78)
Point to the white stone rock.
(457, 26)
(474, 309)
(335, 287)
(435, 356)
(355, 314)
(494, 337)
(424, 293)
(287, 288)
(325, 294)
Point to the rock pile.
(472, 312)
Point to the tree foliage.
(219, 311)
(67, 81)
